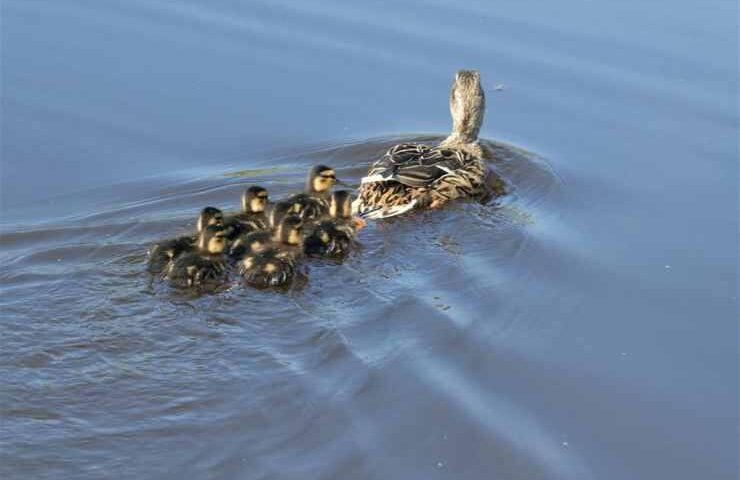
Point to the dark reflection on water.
(583, 327)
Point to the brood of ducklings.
(206, 265)
(414, 176)
(276, 264)
(163, 253)
(334, 235)
(252, 216)
(314, 200)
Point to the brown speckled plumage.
(466, 177)
(412, 176)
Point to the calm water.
(583, 328)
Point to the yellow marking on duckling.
(257, 246)
(257, 205)
(294, 237)
(216, 245)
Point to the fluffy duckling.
(254, 206)
(314, 200)
(163, 253)
(206, 265)
(252, 216)
(276, 264)
(335, 234)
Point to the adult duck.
(417, 176)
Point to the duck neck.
(458, 139)
(467, 108)
(464, 143)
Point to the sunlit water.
(584, 326)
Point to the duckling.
(335, 234)
(314, 200)
(252, 216)
(275, 265)
(414, 176)
(254, 206)
(206, 265)
(163, 253)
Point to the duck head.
(320, 180)
(212, 240)
(254, 200)
(258, 242)
(209, 216)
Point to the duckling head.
(467, 106)
(254, 200)
(258, 242)
(290, 230)
(320, 180)
(212, 240)
(340, 204)
(209, 216)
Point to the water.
(584, 328)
